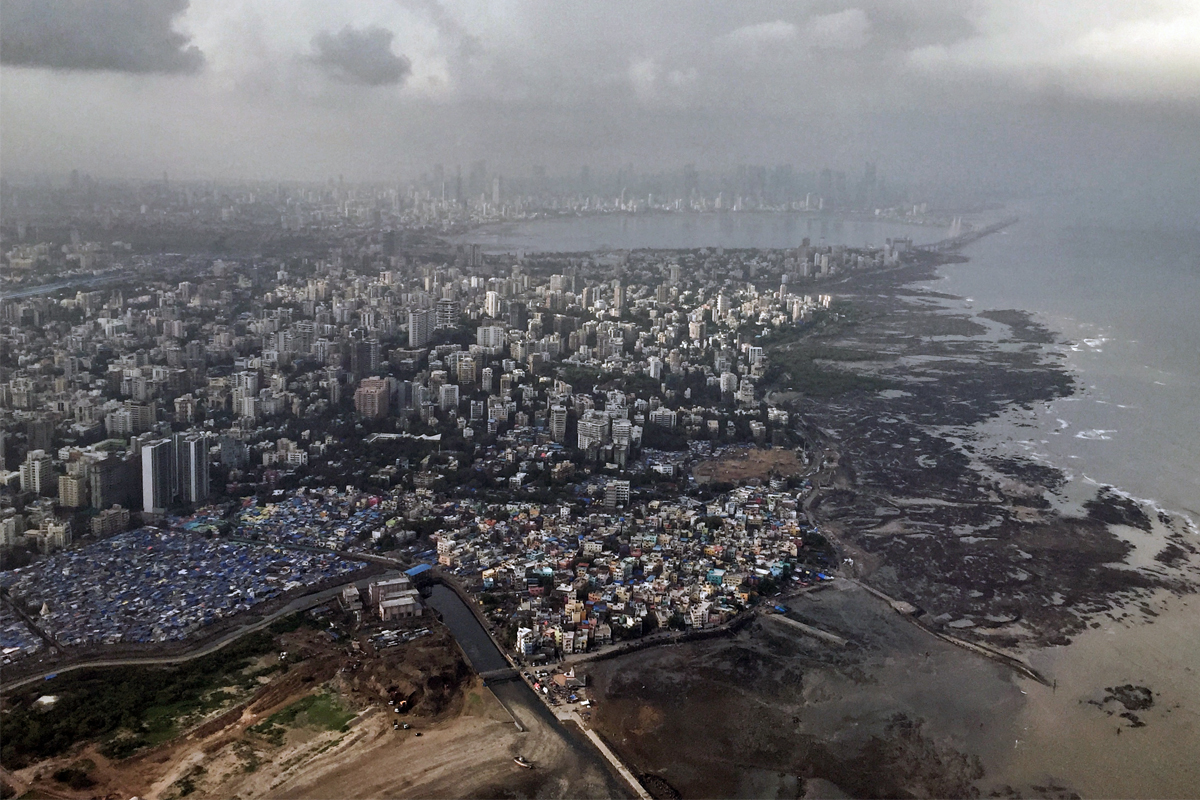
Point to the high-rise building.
(110, 521)
(448, 397)
(622, 432)
(72, 491)
(37, 472)
(234, 452)
(248, 381)
(663, 416)
(616, 494)
(114, 480)
(558, 423)
(491, 336)
(592, 429)
(364, 357)
(157, 468)
(466, 371)
(420, 326)
(491, 305)
(448, 311)
(371, 398)
(518, 315)
(39, 433)
(193, 476)
(618, 296)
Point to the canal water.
(479, 648)
(565, 758)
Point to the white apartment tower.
(37, 473)
(193, 468)
(491, 304)
(157, 462)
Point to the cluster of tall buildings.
(174, 470)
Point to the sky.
(1023, 95)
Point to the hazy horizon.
(987, 97)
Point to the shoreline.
(463, 237)
(1075, 678)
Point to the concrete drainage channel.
(505, 683)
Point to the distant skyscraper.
(618, 296)
(448, 397)
(518, 315)
(592, 429)
(491, 336)
(616, 494)
(114, 481)
(364, 357)
(466, 372)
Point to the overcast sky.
(1025, 94)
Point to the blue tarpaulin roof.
(417, 570)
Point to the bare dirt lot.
(742, 464)
(325, 728)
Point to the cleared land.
(318, 723)
(741, 464)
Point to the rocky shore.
(1006, 552)
(996, 549)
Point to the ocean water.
(685, 231)
(1127, 303)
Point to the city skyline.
(1020, 97)
(475, 398)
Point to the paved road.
(79, 282)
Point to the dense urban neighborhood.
(587, 442)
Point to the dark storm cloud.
(363, 56)
(115, 36)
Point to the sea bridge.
(964, 239)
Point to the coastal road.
(622, 770)
(80, 283)
(828, 465)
